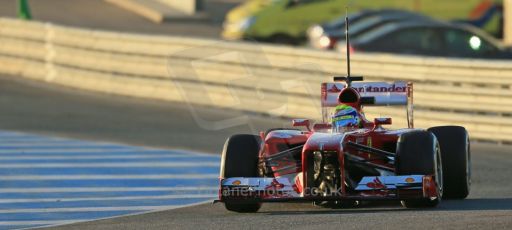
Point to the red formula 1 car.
(337, 162)
(333, 166)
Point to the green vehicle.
(286, 21)
(237, 19)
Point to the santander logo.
(334, 89)
(380, 88)
(377, 87)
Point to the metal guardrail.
(275, 80)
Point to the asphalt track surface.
(37, 108)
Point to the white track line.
(39, 222)
(66, 222)
(107, 189)
(109, 177)
(25, 139)
(51, 144)
(53, 223)
(74, 150)
(156, 164)
(89, 209)
(98, 157)
(163, 197)
(43, 141)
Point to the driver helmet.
(345, 118)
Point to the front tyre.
(455, 151)
(418, 152)
(240, 159)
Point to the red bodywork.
(289, 153)
(376, 138)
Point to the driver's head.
(345, 118)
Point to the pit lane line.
(48, 181)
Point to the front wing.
(268, 189)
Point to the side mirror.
(321, 126)
(301, 122)
(381, 121)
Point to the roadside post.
(507, 24)
(24, 10)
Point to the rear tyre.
(240, 159)
(418, 152)
(456, 156)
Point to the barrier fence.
(274, 80)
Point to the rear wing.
(399, 93)
(382, 93)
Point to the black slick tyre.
(240, 159)
(418, 152)
(456, 156)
